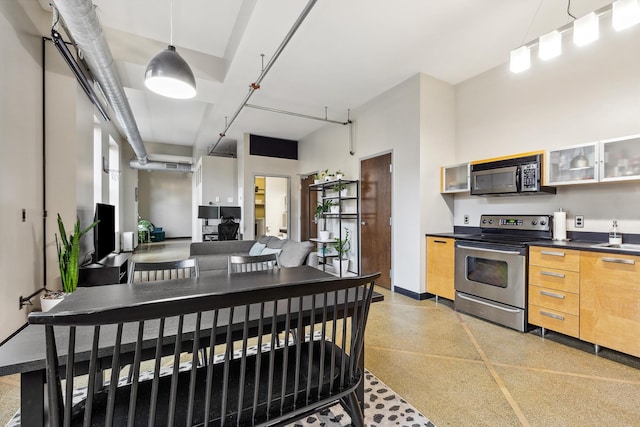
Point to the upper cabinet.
(454, 179)
(572, 165)
(620, 159)
(610, 160)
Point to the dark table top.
(26, 350)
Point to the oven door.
(491, 271)
(495, 181)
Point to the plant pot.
(339, 176)
(50, 299)
(344, 192)
(316, 181)
(334, 209)
(324, 235)
(328, 177)
(345, 265)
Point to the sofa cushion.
(276, 243)
(256, 249)
(267, 251)
(264, 239)
(294, 253)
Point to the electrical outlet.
(579, 221)
(466, 219)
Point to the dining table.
(24, 353)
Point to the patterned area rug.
(383, 407)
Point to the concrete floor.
(462, 371)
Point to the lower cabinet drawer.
(558, 321)
(565, 302)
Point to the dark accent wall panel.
(273, 147)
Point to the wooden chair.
(166, 270)
(271, 386)
(247, 263)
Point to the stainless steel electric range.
(491, 267)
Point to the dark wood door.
(375, 177)
(308, 201)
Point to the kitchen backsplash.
(598, 203)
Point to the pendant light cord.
(171, 22)
(531, 23)
(569, 10)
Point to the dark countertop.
(581, 245)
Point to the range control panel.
(516, 222)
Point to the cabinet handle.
(552, 294)
(552, 253)
(618, 260)
(552, 315)
(439, 241)
(551, 273)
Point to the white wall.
(165, 200)
(20, 170)
(413, 121)
(214, 182)
(587, 94)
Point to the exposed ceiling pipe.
(256, 85)
(291, 113)
(84, 27)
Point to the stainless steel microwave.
(521, 175)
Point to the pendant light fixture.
(168, 74)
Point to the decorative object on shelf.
(339, 174)
(68, 250)
(342, 247)
(341, 188)
(321, 208)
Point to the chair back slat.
(255, 379)
(249, 263)
(140, 272)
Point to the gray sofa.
(213, 255)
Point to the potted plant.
(144, 230)
(321, 208)
(339, 174)
(328, 176)
(342, 247)
(68, 250)
(340, 188)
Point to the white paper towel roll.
(560, 225)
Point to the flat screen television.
(104, 234)
(230, 212)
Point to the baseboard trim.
(411, 294)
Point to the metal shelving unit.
(348, 212)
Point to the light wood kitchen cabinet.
(554, 289)
(610, 301)
(440, 266)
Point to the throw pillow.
(256, 249)
(267, 251)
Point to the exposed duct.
(84, 27)
(162, 166)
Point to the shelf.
(349, 201)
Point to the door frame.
(253, 199)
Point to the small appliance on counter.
(615, 238)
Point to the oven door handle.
(513, 310)
(490, 250)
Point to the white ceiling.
(345, 53)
